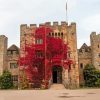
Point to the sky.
(13, 13)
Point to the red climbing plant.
(40, 57)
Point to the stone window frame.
(14, 77)
(12, 52)
(39, 41)
(56, 34)
(98, 46)
(39, 54)
(59, 34)
(99, 55)
(81, 65)
(62, 34)
(13, 65)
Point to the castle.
(64, 66)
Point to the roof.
(13, 48)
(85, 47)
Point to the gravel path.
(51, 94)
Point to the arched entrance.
(57, 74)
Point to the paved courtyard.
(51, 94)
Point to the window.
(13, 65)
(59, 34)
(39, 41)
(15, 78)
(99, 55)
(81, 65)
(38, 65)
(52, 34)
(68, 54)
(99, 65)
(72, 33)
(39, 54)
(49, 34)
(9, 52)
(98, 46)
(69, 67)
(62, 34)
(12, 52)
(55, 34)
(15, 52)
(74, 66)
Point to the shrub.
(91, 76)
(6, 80)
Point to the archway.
(57, 74)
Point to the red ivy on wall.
(40, 58)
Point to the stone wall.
(84, 58)
(95, 46)
(64, 31)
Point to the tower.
(3, 52)
(72, 43)
(60, 71)
(95, 47)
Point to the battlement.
(41, 25)
(73, 23)
(33, 25)
(48, 24)
(93, 34)
(55, 23)
(25, 26)
(95, 37)
(3, 37)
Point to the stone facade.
(3, 52)
(89, 54)
(12, 63)
(9, 59)
(85, 55)
(84, 58)
(69, 36)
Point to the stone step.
(57, 87)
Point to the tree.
(90, 75)
(6, 80)
(97, 83)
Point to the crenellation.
(73, 23)
(73, 27)
(48, 23)
(55, 23)
(41, 25)
(2, 36)
(92, 35)
(64, 23)
(33, 25)
(95, 37)
(23, 26)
